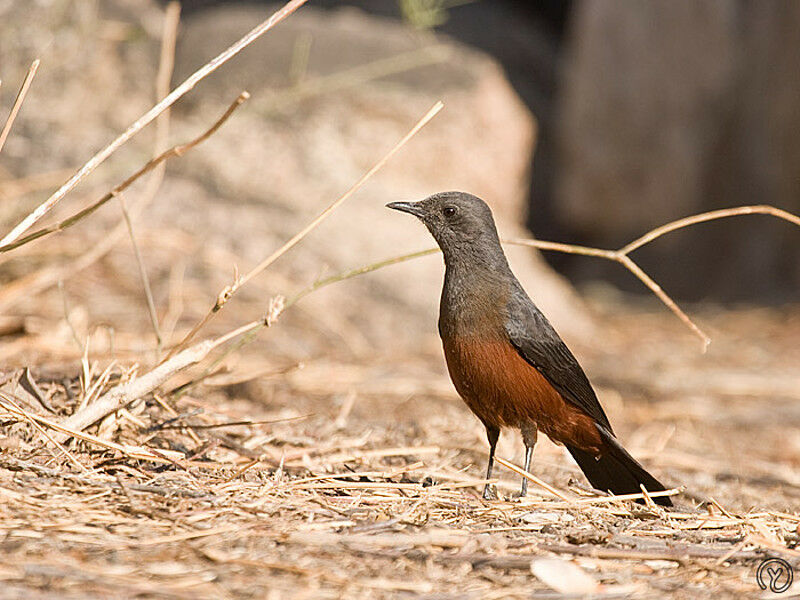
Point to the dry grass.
(198, 491)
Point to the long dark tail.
(617, 471)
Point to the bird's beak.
(412, 208)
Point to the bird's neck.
(480, 256)
(474, 296)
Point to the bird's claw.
(489, 492)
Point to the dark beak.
(412, 208)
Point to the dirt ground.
(362, 480)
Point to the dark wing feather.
(538, 343)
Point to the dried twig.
(126, 393)
(148, 117)
(46, 277)
(321, 283)
(622, 255)
(23, 90)
(178, 150)
(532, 478)
(245, 423)
(166, 63)
(148, 293)
(759, 209)
(13, 407)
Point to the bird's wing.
(538, 343)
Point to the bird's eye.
(449, 211)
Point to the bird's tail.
(616, 471)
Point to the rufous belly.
(504, 390)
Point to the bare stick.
(759, 209)
(621, 255)
(313, 288)
(227, 293)
(359, 271)
(127, 393)
(44, 278)
(166, 63)
(628, 263)
(34, 283)
(178, 150)
(23, 90)
(145, 119)
(15, 408)
(148, 293)
(532, 478)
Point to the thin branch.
(628, 263)
(125, 394)
(42, 279)
(148, 292)
(229, 291)
(226, 294)
(359, 271)
(759, 209)
(230, 424)
(178, 150)
(533, 479)
(148, 117)
(16, 409)
(166, 64)
(166, 61)
(621, 255)
(23, 91)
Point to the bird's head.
(462, 224)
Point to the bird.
(506, 360)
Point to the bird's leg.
(529, 434)
(493, 433)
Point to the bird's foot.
(489, 492)
(522, 492)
